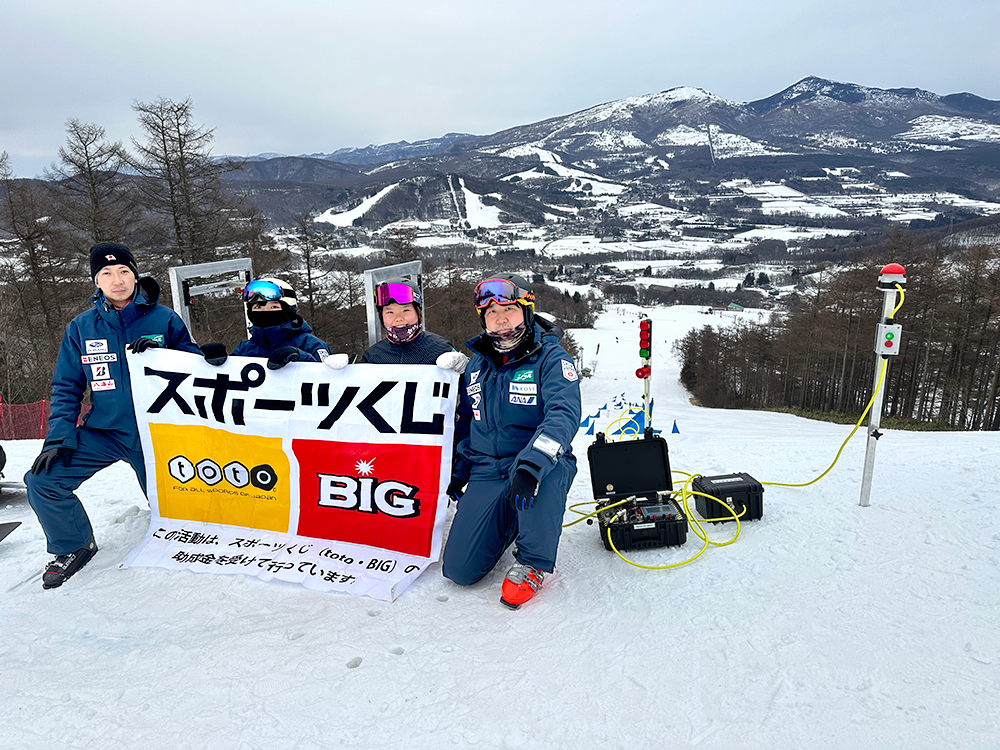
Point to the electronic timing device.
(631, 484)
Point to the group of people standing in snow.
(518, 410)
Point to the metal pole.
(891, 275)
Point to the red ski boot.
(520, 585)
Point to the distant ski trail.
(454, 198)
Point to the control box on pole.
(888, 342)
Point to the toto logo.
(184, 470)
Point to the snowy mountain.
(812, 105)
(868, 115)
(629, 124)
(380, 154)
(824, 625)
(658, 143)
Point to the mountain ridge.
(684, 104)
(663, 142)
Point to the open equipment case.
(631, 484)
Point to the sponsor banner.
(333, 479)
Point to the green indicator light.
(644, 353)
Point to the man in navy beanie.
(125, 313)
(111, 254)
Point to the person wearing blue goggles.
(277, 331)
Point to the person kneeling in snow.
(518, 414)
(93, 354)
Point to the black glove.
(522, 490)
(214, 354)
(49, 456)
(456, 488)
(142, 344)
(282, 357)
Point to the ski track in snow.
(825, 625)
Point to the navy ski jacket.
(523, 414)
(93, 355)
(263, 342)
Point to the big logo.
(379, 494)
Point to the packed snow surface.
(825, 625)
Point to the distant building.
(661, 289)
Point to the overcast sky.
(308, 76)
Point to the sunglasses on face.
(261, 291)
(400, 294)
(501, 291)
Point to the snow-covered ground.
(575, 245)
(346, 218)
(825, 625)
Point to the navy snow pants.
(486, 524)
(53, 495)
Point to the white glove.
(453, 361)
(336, 361)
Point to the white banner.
(333, 479)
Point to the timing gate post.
(888, 341)
(182, 293)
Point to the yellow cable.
(621, 428)
(696, 524)
(653, 567)
(585, 516)
(885, 364)
(902, 296)
(699, 529)
(878, 385)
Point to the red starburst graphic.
(381, 495)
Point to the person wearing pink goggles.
(400, 307)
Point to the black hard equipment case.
(631, 483)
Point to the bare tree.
(91, 187)
(182, 181)
(309, 243)
(400, 247)
(340, 321)
(43, 285)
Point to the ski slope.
(825, 625)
